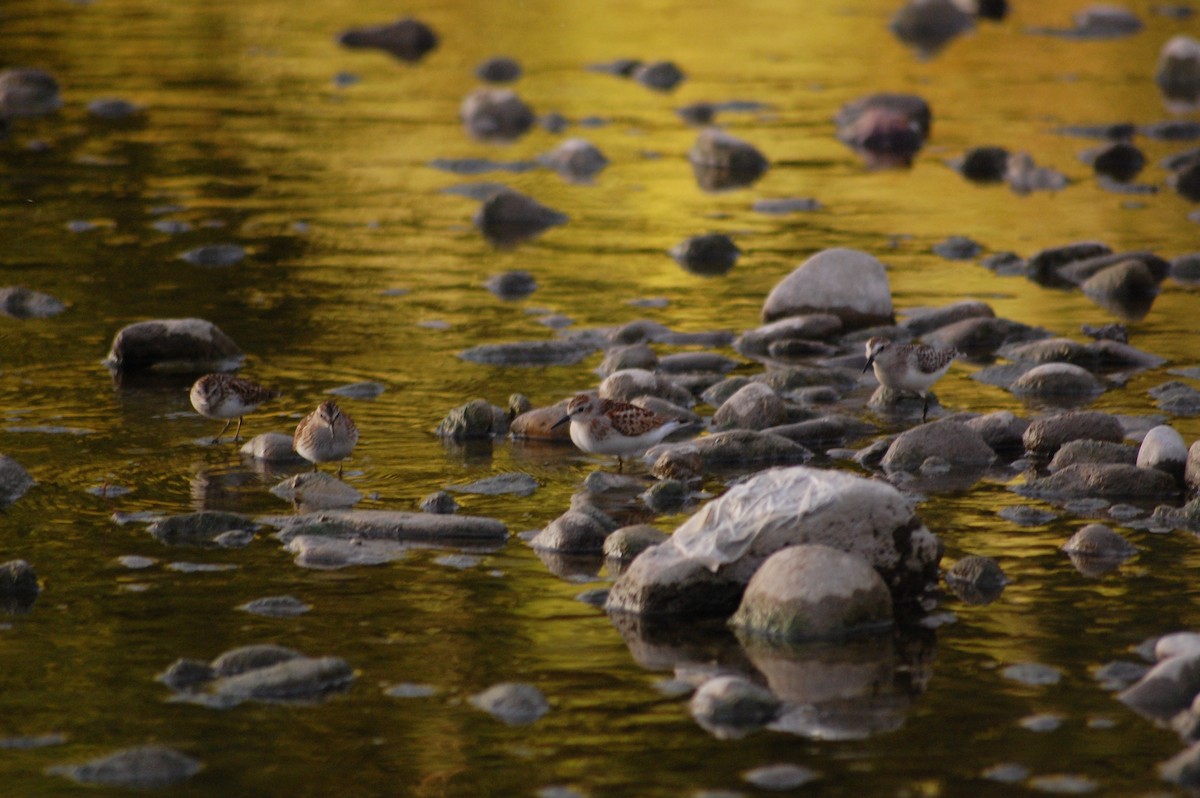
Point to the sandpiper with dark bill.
(325, 435)
(609, 426)
(224, 396)
(908, 367)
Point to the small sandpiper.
(908, 367)
(325, 435)
(224, 396)
(609, 426)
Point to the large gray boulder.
(705, 566)
(173, 345)
(1045, 435)
(1054, 380)
(754, 406)
(846, 283)
(956, 443)
(1102, 480)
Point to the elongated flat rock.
(394, 525)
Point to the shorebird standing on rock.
(609, 426)
(325, 435)
(908, 367)
(226, 397)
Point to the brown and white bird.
(325, 435)
(908, 367)
(224, 396)
(609, 426)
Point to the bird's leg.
(340, 465)
(620, 464)
(314, 468)
(924, 407)
(237, 431)
(222, 432)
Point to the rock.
(736, 448)
(516, 284)
(703, 568)
(1185, 179)
(439, 502)
(849, 284)
(316, 491)
(984, 164)
(695, 363)
(810, 592)
(1168, 688)
(329, 554)
(729, 706)
(495, 115)
(1086, 450)
(1186, 268)
(407, 39)
(630, 384)
(659, 75)
(1051, 380)
(271, 447)
(142, 767)
(1024, 176)
(576, 159)
(476, 419)
(1044, 265)
(1100, 542)
(1191, 473)
(539, 424)
(1183, 769)
(1045, 435)
(1119, 160)
(629, 541)
(815, 326)
(1105, 22)
(708, 255)
(1002, 431)
(215, 255)
(530, 353)
(666, 496)
(298, 679)
(722, 161)
(14, 480)
(981, 336)
(516, 484)
(21, 303)
(957, 443)
(824, 432)
(929, 25)
(1163, 448)
(197, 529)
(1177, 398)
(781, 777)
(976, 580)
(1130, 279)
(28, 93)
(1101, 480)
(173, 346)
(276, 607)
(633, 356)
(18, 580)
(886, 129)
(507, 217)
(785, 205)
(1178, 70)
(185, 674)
(924, 320)
(580, 530)
(514, 703)
(498, 69)
(393, 525)
(753, 407)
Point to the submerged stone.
(21, 303)
(197, 529)
(514, 703)
(143, 767)
(407, 39)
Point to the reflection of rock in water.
(659, 643)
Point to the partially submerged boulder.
(956, 443)
(846, 283)
(407, 39)
(173, 346)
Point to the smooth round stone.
(1057, 379)
(1098, 540)
(276, 607)
(780, 777)
(1046, 722)
(1027, 516)
(1163, 448)
(1033, 674)
(514, 703)
(498, 69)
(847, 283)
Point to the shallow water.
(362, 266)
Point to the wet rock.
(695, 363)
(976, 580)
(197, 529)
(1027, 516)
(722, 161)
(708, 255)
(173, 346)
(753, 407)
(630, 384)
(957, 443)
(984, 164)
(1121, 284)
(316, 491)
(328, 554)
(1091, 451)
(1178, 70)
(703, 568)
(1105, 22)
(1045, 435)
(1024, 176)
(577, 160)
(1101, 480)
(28, 93)
(1043, 266)
(1167, 689)
(658, 75)
(1004, 264)
(474, 420)
(1100, 542)
(516, 284)
(810, 592)
(19, 586)
(21, 303)
(539, 424)
(824, 432)
(359, 390)
(886, 129)
(508, 217)
(271, 447)
(740, 448)
(530, 353)
(1164, 448)
(439, 502)
(143, 767)
(1183, 769)
(791, 350)
(847, 283)
(516, 484)
(498, 69)
(393, 525)
(1177, 398)
(872, 456)
(580, 530)
(1119, 160)
(780, 777)
(778, 207)
(629, 541)
(1052, 380)
(621, 67)
(1186, 268)
(982, 336)
(1191, 473)
(729, 706)
(718, 393)
(929, 25)
(666, 496)
(924, 320)
(633, 356)
(514, 703)
(957, 248)
(215, 255)
(407, 39)
(1002, 431)
(1185, 179)
(495, 115)
(186, 674)
(14, 480)
(814, 326)
(276, 607)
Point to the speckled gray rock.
(271, 447)
(707, 562)
(392, 525)
(407, 39)
(198, 529)
(1051, 380)
(143, 767)
(846, 283)
(957, 443)
(316, 491)
(1086, 450)
(1163, 448)
(629, 384)
(809, 592)
(1129, 279)
(173, 345)
(514, 703)
(1002, 430)
(721, 160)
(28, 93)
(491, 114)
(630, 541)
(575, 532)
(754, 406)
(14, 480)
(740, 447)
(976, 580)
(439, 502)
(22, 303)
(575, 159)
(1102, 480)
(1101, 542)
(1178, 70)
(476, 419)
(1045, 435)
(729, 706)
